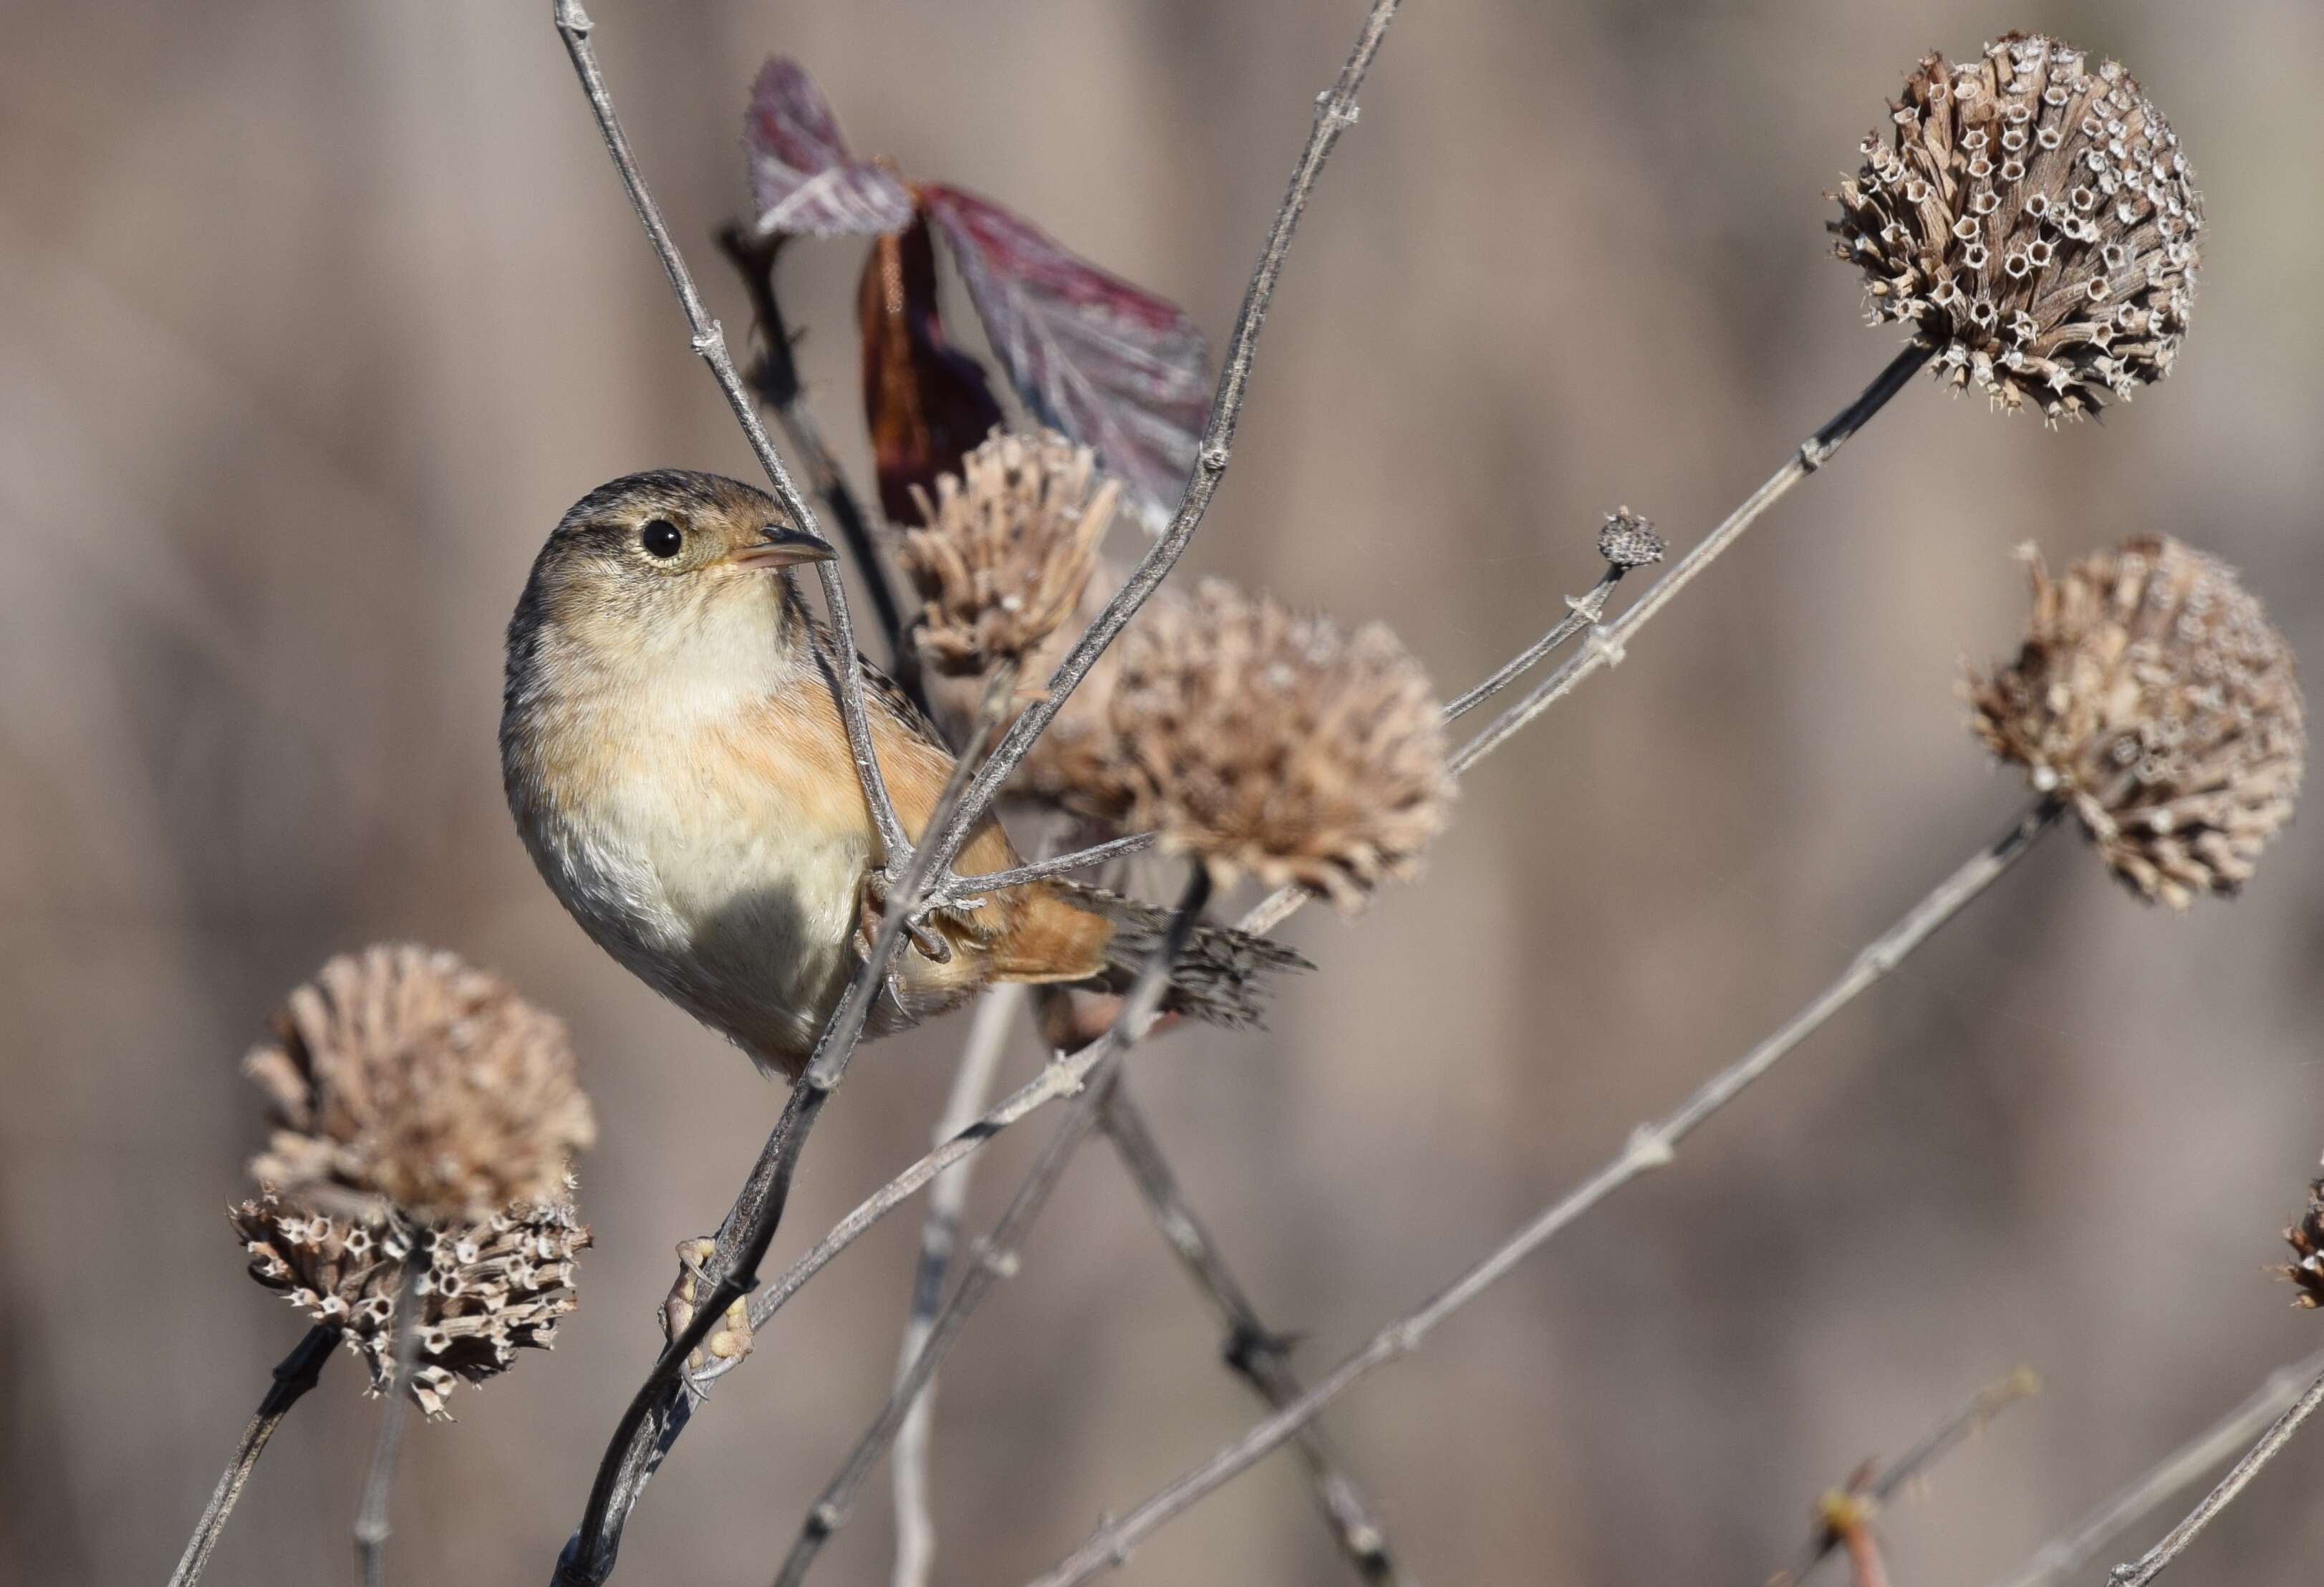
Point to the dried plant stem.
(1580, 613)
(2065, 1554)
(294, 1375)
(1650, 1147)
(1256, 1353)
(379, 1483)
(980, 1060)
(2157, 1559)
(775, 377)
(1875, 1489)
(573, 25)
(997, 1255)
(1606, 647)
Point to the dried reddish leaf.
(927, 404)
(805, 181)
(1110, 365)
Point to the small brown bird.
(673, 752)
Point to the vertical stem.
(987, 1039)
(371, 1516)
(295, 1374)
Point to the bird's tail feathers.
(1220, 977)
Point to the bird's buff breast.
(709, 859)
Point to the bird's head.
(668, 572)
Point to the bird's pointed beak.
(781, 547)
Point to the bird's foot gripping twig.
(920, 925)
(731, 1340)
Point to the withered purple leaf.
(1108, 364)
(805, 181)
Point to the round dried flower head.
(1006, 547)
(2031, 215)
(1268, 741)
(2152, 694)
(2306, 1238)
(1628, 541)
(402, 1074)
(490, 1287)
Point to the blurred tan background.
(314, 318)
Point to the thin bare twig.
(379, 1483)
(2157, 1559)
(294, 1375)
(656, 1414)
(573, 25)
(997, 1254)
(961, 888)
(979, 1059)
(1650, 1147)
(1254, 1353)
(1606, 647)
(774, 375)
(1871, 1491)
(2066, 1554)
(1580, 612)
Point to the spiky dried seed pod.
(2153, 693)
(2306, 1239)
(1269, 741)
(401, 1074)
(1628, 541)
(1005, 549)
(2033, 216)
(491, 1288)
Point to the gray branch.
(2157, 1559)
(1650, 1147)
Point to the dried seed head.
(402, 1074)
(2152, 694)
(1269, 741)
(2032, 213)
(1627, 541)
(2306, 1240)
(491, 1288)
(1007, 548)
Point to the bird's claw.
(728, 1342)
(917, 926)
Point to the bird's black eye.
(660, 538)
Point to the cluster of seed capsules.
(2033, 216)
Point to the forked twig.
(997, 1254)
(1650, 1147)
(1256, 1353)
(294, 1375)
(2066, 1554)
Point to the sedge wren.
(673, 752)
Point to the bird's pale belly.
(742, 912)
